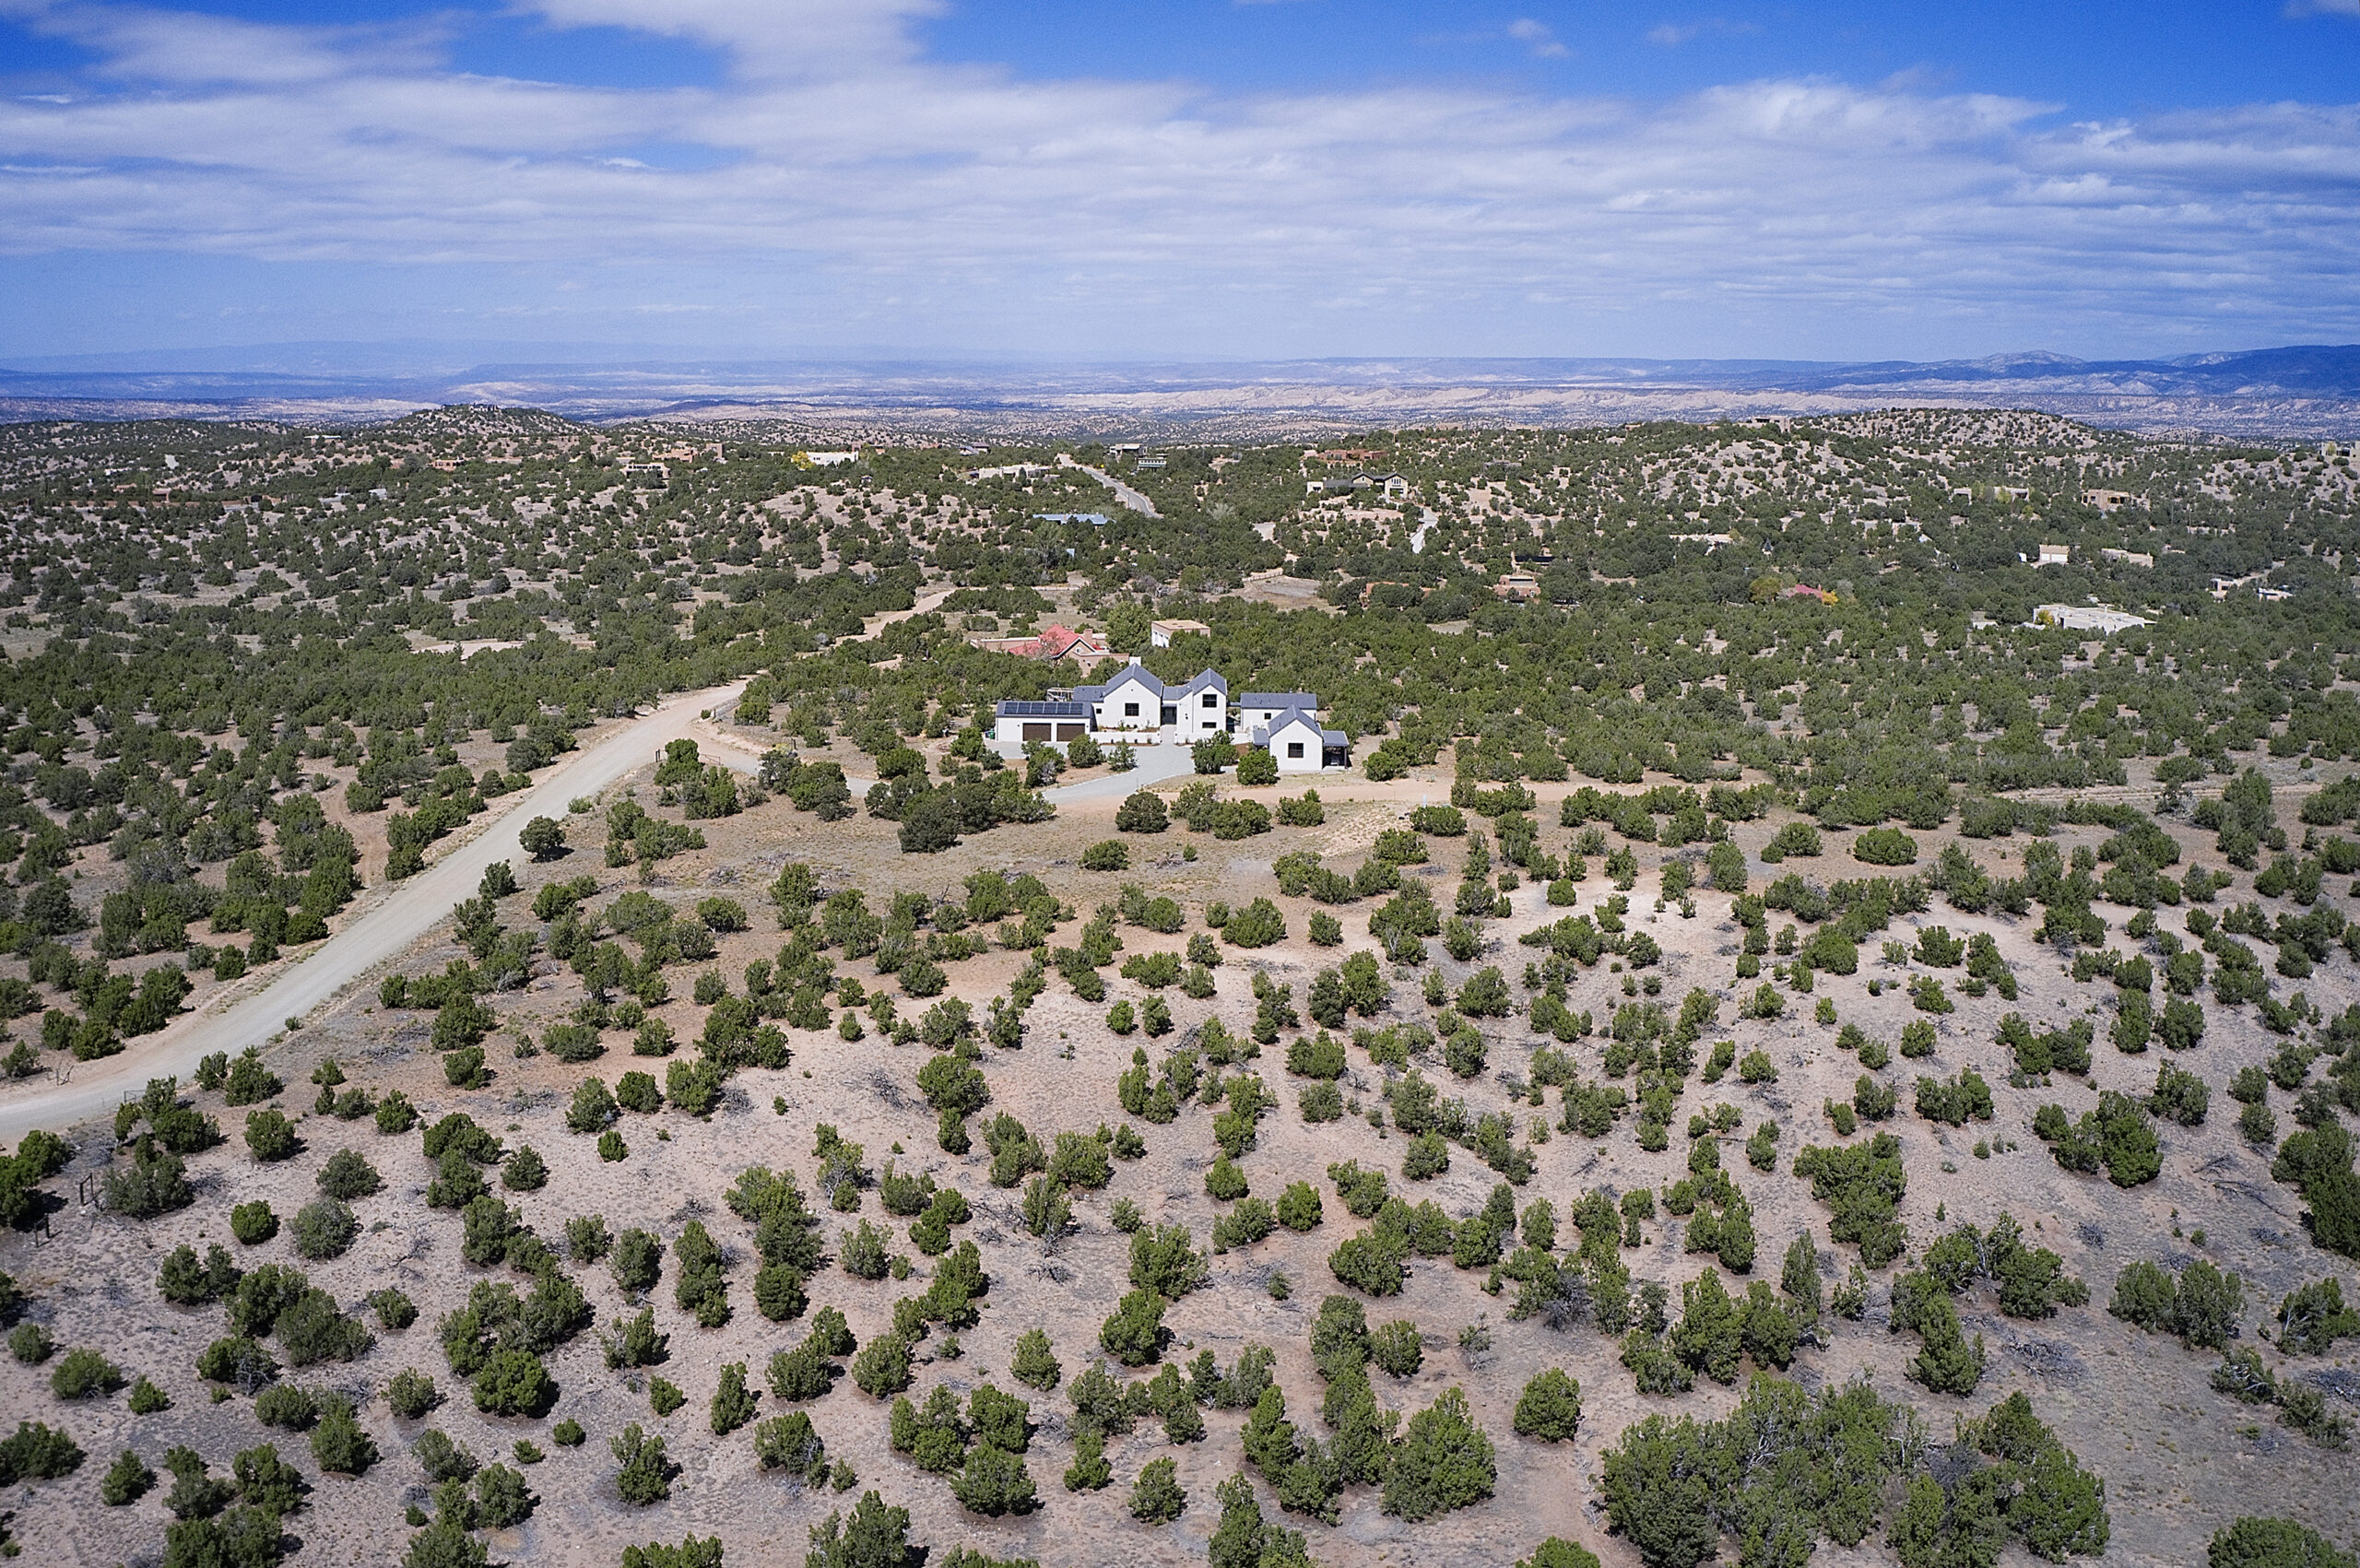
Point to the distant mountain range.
(2304, 392)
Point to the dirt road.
(380, 930)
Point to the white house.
(1135, 699)
(1298, 745)
(1260, 710)
(1135, 703)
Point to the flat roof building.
(2087, 618)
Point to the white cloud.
(1769, 215)
(1536, 36)
(1671, 35)
(188, 49)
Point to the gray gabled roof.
(1262, 733)
(1278, 699)
(1129, 674)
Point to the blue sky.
(1198, 178)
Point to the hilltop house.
(1136, 704)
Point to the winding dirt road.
(388, 921)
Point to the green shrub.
(284, 1405)
(339, 1443)
(1134, 1335)
(411, 1394)
(882, 1367)
(994, 1483)
(635, 1342)
(348, 1174)
(1884, 846)
(2313, 1317)
(645, 1473)
(1556, 1552)
(1444, 1462)
(1257, 924)
(394, 1308)
(2252, 1542)
(324, 1228)
(1550, 1407)
(1142, 811)
(514, 1383)
(441, 1458)
(81, 1372)
(126, 1480)
(524, 1171)
(503, 1499)
(184, 1281)
(1157, 1497)
(790, 1442)
(253, 1223)
(593, 1108)
(1397, 1348)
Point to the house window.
(1294, 749)
(1130, 710)
(1212, 700)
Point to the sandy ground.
(2179, 1460)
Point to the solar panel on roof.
(1045, 710)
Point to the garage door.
(1036, 732)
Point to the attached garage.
(1027, 722)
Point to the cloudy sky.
(1187, 178)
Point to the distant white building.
(2087, 618)
(2055, 555)
(1159, 633)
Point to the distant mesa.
(2296, 391)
